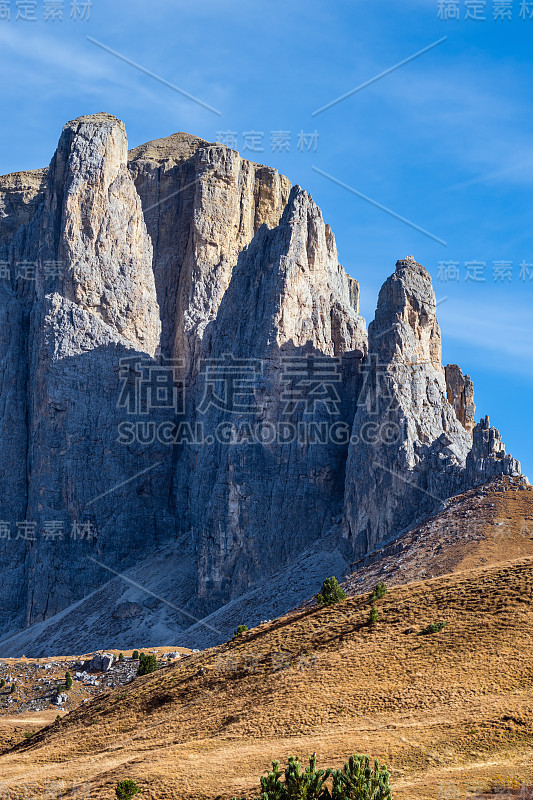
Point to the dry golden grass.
(448, 712)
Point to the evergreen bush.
(240, 630)
(68, 681)
(126, 789)
(359, 781)
(330, 593)
(147, 664)
(373, 616)
(435, 627)
(379, 592)
(356, 781)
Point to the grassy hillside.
(450, 713)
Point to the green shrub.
(298, 784)
(331, 592)
(435, 627)
(135, 655)
(356, 781)
(240, 630)
(126, 789)
(68, 681)
(121, 656)
(373, 616)
(379, 592)
(2, 683)
(147, 664)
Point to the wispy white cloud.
(474, 114)
(49, 51)
(57, 65)
(502, 330)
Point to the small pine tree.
(126, 789)
(298, 784)
(2, 683)
(373, 616)
(379, 592)
(147, 664)
(13, 688)
(121, 656)
(68, 681)
(135, 655)
(359, 781)
(331, 592)
(240, 630)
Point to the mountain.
(190, 402)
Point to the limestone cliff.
(250, 496)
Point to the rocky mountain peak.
(93, 227)
(405, 328)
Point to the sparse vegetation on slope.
(434, 627)
(444, 712)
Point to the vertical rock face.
(409, 447)
(203, 204)
(185, 253)
(20, 195)
(460, 393)
(287, 328)
(91, 304)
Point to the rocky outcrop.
(460, 393)
(487, 458)
(92, 226)
(186, 380)
(100, 662)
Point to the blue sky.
(444, 141)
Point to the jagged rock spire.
(412, 432)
